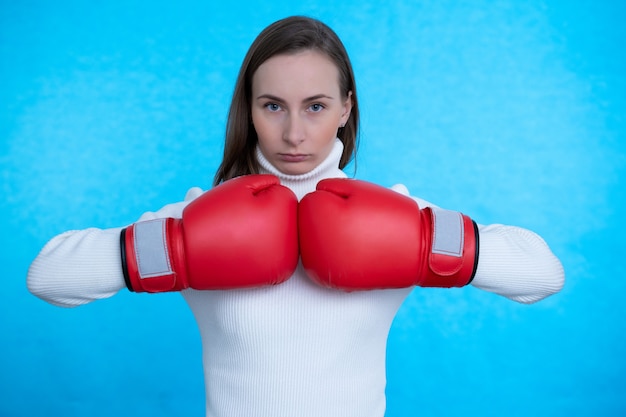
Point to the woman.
(295, 347)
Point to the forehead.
(307, 72)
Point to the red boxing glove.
(355, 236)
(242, 233)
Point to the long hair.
(287, 36)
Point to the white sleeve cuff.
(517, 263)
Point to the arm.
(518, 264)
(513, 262)
(242, 233)
(80, 266)
(77, 267)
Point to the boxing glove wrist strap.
(147, 262)
(453, 256)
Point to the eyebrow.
(312, 98)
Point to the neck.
(305, 183)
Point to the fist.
(356, 235)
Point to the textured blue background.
(513, 112)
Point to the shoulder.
(402, 189)
(174, 210)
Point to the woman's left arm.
(513, 262)
(517, 263)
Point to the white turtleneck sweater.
(294, 349)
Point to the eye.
(317, 107)
(273, 107)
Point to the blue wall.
(513, 112)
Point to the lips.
(289, 157)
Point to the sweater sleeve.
(517, 264)
(77, 267)
(81, 266)
(513, 262)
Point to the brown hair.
(286, 36)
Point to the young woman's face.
(297, 108)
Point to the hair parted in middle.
(287, 36)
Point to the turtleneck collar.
(305, 183)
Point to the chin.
(295, 170)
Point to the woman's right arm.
(78, 267)
(81, 266)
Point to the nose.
(294, 132)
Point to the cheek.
(329, 130)
(325, 137)
(261, 127)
